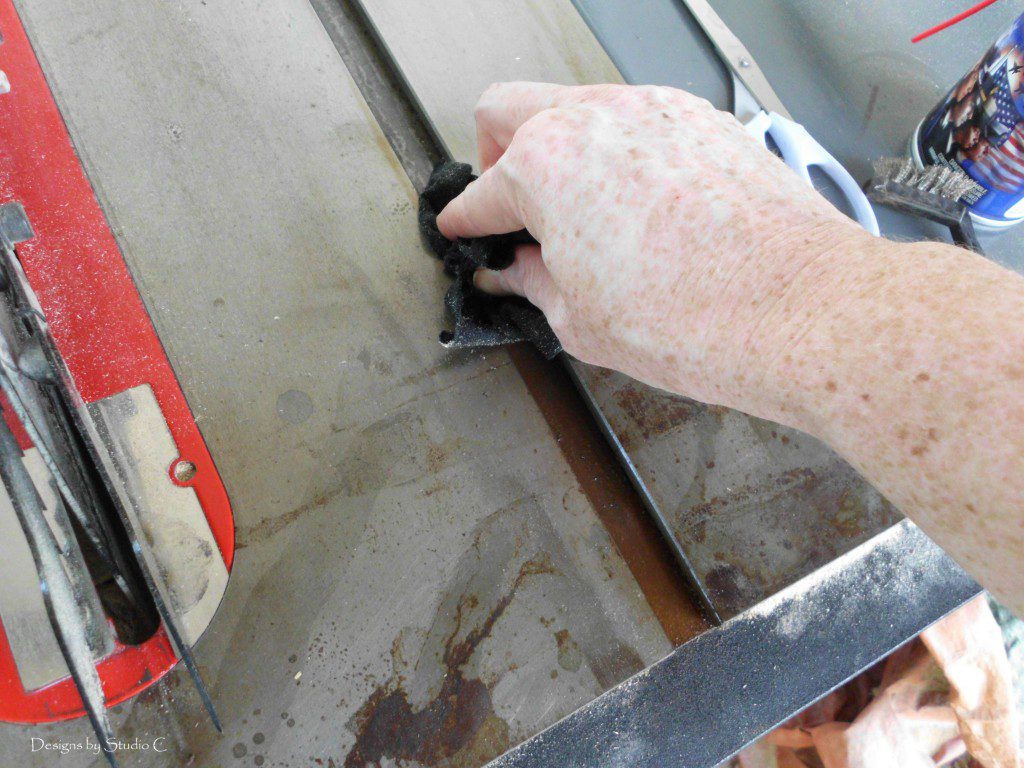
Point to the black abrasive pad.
(481, 320)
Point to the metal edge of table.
(699, 707)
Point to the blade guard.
(103, 333)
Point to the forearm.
(908, 359)
(723, 276)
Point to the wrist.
(797, 352)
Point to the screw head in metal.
(744, 63)
(184, 471)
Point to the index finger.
(488, 206)
(503, 107)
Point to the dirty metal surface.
(448, 51)
(419, 577)
(751, 505)
(747, 506)
(589, 455)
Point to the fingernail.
(439, 220)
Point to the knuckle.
(605, 93)
(543, 122)
(530, 140)
(650, 94)
(504, 280)
(688, 102)
(512, 279)
(700, 104)
(550, 126)
(530, 280)
(488, 102)
(557, 317)
(561, 317)
(491, 93)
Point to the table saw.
(414, 556)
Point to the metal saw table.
(438, 556)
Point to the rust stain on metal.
(727, 583)
(458, 727)
(569, 656)
(604, 483)
(271, 526)
(797, 482)
(840, 508)
(651, 412)
(739, 573)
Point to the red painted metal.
(100, 327)
(950, 22)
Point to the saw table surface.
(410, 539)
(424, 574)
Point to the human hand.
(671, 241)
(677, 249)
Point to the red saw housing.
(102, 330)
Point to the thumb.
(528, 276)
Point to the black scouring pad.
(481, 320)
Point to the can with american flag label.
(979, 126)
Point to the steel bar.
(717, 693)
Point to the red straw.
(950, 22)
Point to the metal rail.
(722, 690)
